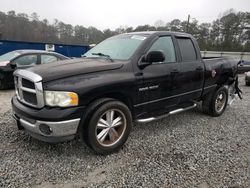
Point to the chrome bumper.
(58, 129)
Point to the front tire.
(108, 127)
(216, 103)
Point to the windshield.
(120, 47)
(9, 56)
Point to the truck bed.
(222, 67)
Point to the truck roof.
(159, 33)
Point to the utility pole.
(188, 24)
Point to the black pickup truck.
(138, 77)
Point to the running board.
(146, 120)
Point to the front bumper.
(47, 124)
(58, 131)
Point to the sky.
(112, 14)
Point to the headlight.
(60, 98)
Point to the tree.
(159, 23)
(175, 25)
(34, 16)
(145, 28)
(203, 36)
(108, 33)
(231, 31)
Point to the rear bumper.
(47, 124)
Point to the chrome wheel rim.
(110, 127)
(220, 102)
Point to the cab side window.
(187, 49)
(26, 60)
(48, 59)
(165, 44)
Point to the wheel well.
(118, 96)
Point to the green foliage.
(230, 32)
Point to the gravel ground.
(185, 150)
(5, 96)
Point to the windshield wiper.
(103, 55)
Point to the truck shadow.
(69, 148)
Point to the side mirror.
(151, 57)
(241, 63)
(13, 65)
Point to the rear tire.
(108, 126)
(216, 103)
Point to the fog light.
(45, 129)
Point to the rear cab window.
(187, 49)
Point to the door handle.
(139, 74)
(199, 69)
(174, 71)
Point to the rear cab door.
(191, 69)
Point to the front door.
(160, 85)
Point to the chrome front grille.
(29, 88)
(28, 84)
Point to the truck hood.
(67, 68)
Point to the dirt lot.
(184, 150)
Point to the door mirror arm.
(143, 63)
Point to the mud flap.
(237, 89)
(234, 90)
